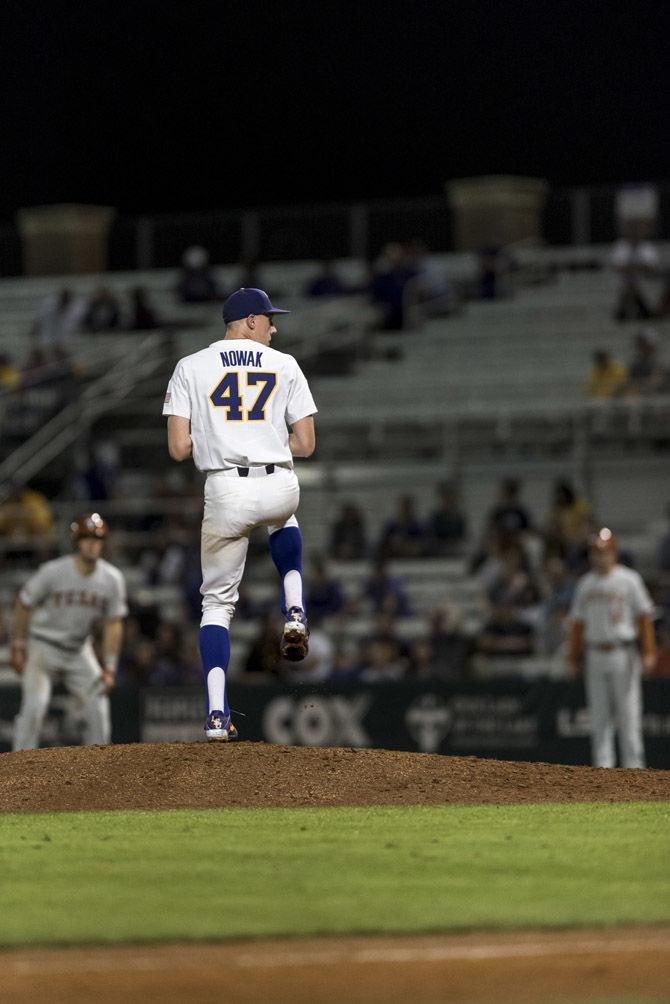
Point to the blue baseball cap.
(247, 301)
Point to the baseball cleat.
(294, 643)
(219, 728)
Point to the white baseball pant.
(82, 676)
(235, 506)
(614, 697)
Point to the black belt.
(610, 646)
(244, 471)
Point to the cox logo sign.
(317, 721)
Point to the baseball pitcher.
(53, 619)
(230, 407)
(612, 632)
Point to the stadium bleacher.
(495, 390)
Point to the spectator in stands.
(646, 374)
(388, 286)
(317, 666)
(422, 661)
(663, 550)
(509, 517)
(137, 662)
(143, 316)
(382, 662)
(404, 535)
(635, 260)
(103, 311)
(59, 316)
(663, 308)
(662, 667)
(325, 597)
(166, 670)
(10, 374)
(326, 283)
(557, 586)
(569, 521)
(25, 514)
(348, 539)
(608, 376)
(385, 592)
(197, 281)
(263, 655)
(431, 288)
(451, 646)
(513, 599)
(446, 526)
(494, 268)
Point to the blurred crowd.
(368, 623)
(366, 626)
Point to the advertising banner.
(503, 719)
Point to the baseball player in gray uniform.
(231, 406)
(612, 631)
(54, 614)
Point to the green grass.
(142, 876)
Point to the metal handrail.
(66, 427)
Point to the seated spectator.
(663, 308)
(431, 288)
(348, 539)
(557, 587)
(569, 520)
(382, 662)
(10, 375)
(385, 592)
(197, 281)
(450, 645)
(59, 316)
(263, 655)
(422, 660)
(512, 600)
(103, 312)
(143, 316)
(25, 513)
(404, 535)
(446, 525)
(509, 517)
(607, 377)
(646, 374)
(326, 283)
(324, 595)
(388, 285)
(317, 665)
(495, 266)
(662, 667)
(137, 663)
(634, 259)
(663, 549)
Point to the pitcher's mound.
(201, 775)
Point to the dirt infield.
(202, 775)
(623, 965)
(631, 965)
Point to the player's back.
(239, 395)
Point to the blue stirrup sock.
(215, 654)
(286, 551)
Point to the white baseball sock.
(216, 688)
(293, 589)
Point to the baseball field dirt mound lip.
(201, 776)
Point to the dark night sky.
(156, 105)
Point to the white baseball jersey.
(239, 396)
(609, 605)
(66, 604)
